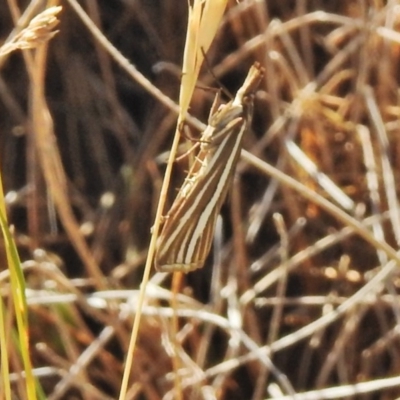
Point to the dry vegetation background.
(295, 297)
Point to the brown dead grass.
(298, 295)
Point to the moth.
(187, 234)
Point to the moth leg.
(186, 153)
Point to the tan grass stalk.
(45, 141)
(39, 31)
(48, 153)
(203, 21)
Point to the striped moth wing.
(188, 231)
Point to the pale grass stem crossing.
(188, 231)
